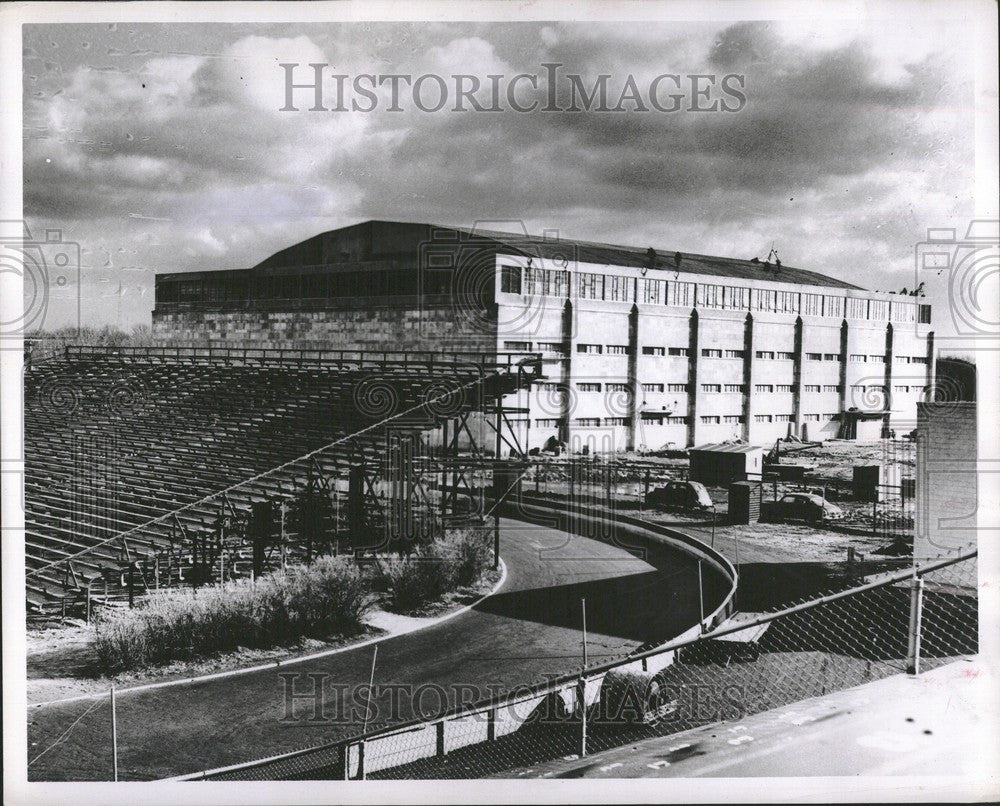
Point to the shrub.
(327, 597)
(457, 560)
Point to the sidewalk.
(944, 722)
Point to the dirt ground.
(62, 661)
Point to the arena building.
(644, 348)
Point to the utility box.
(744, 501)
(866, 481)
(724, 463)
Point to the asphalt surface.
(937, 724)
(528, 631)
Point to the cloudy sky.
(161, 147)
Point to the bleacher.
(127, 447)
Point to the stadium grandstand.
(150, 467)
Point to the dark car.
(680, 495)
(801, 507)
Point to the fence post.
(916, 616)
(581, 696)
(114, 731)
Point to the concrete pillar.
(844, 333)
(747, 376)
(797, 378)
(694, 356)
(569, 345)
(887, 394)
(633, 379)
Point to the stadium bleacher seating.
(141, 443)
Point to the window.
(903, 312)
(709, 296)
(831, 356)
(588, 422)
(652, 291)
(731, 419)
(877, 359)
(769, 354)
(618, 349)
(878, 309)
(733, 353)
(649, 387)
(549, 422)
(901, 359)
(510, 279)
(677, 387)
(616, 420)
(901, 388)
(711, 353)
(857, 387)
(831, 416)
(858, 358)
(762, 418)
(787, 302)
(857, 308)
(590, 286)
(783, 387)
(680, 294)
(814, 356)
(812, 304)
(619, 289)
(523, 346)
(831, 387)
(616, 387)
(676, 420)
(782, 418)
(763, 300)
(711, 419)
(737, 298)
(591, 349)
(810, 387)
(918, 359)
(652, 417)
(924, 314)
(811, 418)
(677, 351)
(711, 387)
(654, 350)
(550, 346)
(784, 356)
(589, 387)
(833, 306)
(732, 387)
(551, 387)
(547, 282)
(763, 387)
(876, 388)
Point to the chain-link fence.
(901, 622)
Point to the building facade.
(642, 349)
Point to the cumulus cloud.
(163, 146)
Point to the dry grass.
(328, 597)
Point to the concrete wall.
(377, 328)
(947, 479)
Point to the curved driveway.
(528, 631)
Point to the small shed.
(723, 463)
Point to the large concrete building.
(643, 347)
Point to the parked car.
(801, 507)
(680, 495)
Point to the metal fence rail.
(893, 623)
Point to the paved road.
(528, 631)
